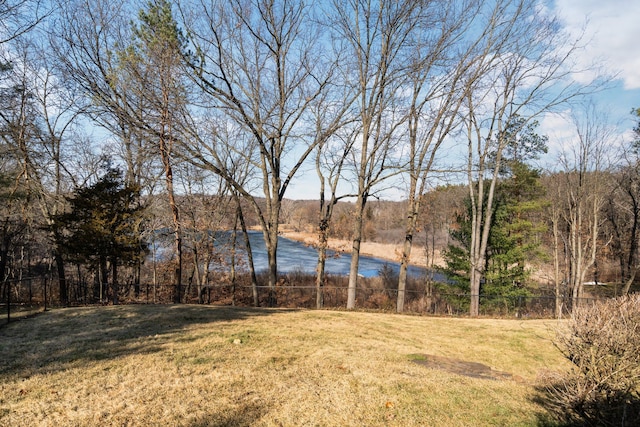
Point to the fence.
(22, 297)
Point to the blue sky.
(611, 36)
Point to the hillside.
(225, 366)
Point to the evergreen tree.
(102, 227)
(154, 65)
(514, 226)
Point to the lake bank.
(388, 251)
(392, 253)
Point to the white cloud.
(557, 126)
(561, 128)
(561, 132)
(611, 30)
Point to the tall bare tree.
(377, 36)
(45, 124)
(259, 65)
(523, 66)
(17, 19)
(154, 62)
(330, 159)
(554, 215)
(622, 209)
(335, 137)
(132, 74)
(437, 81)
(582, 194)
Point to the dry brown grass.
(225, 366)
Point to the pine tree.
(514, 226)
(102, 227)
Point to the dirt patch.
(461, 367)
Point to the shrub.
(602, 342)
(388, 275)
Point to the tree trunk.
(629, 282)
(114, 280)
(102, 278)
(136, 285)
(62, 278)
(323, 230)
(355, 251)
(178, 272)
(234, 238)
(4, 249)
(203, 286)
(175, 214)
(556, 265)
(3, 263)
(196, 271)
(155, 270)
(247, 243)
(476, 276)
(402, 276)
(272, 251)
(412, 219)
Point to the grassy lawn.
(224, 366)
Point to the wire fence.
(22, 297)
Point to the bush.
(389, 276)
(603, 344)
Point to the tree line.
(185, 117)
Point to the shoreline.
(374, 249)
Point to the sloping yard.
(185, 365)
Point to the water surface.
(296, 256)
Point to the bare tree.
(133, 75)
(259, 66)
(554, 214)
(377, 36)
(335, 137)
(18, 131)
(18, 135)
(622, 210)
(42, 127)
(582, 196)
(330, 160)
(522, 69)
(437, 82)
(155, 61)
